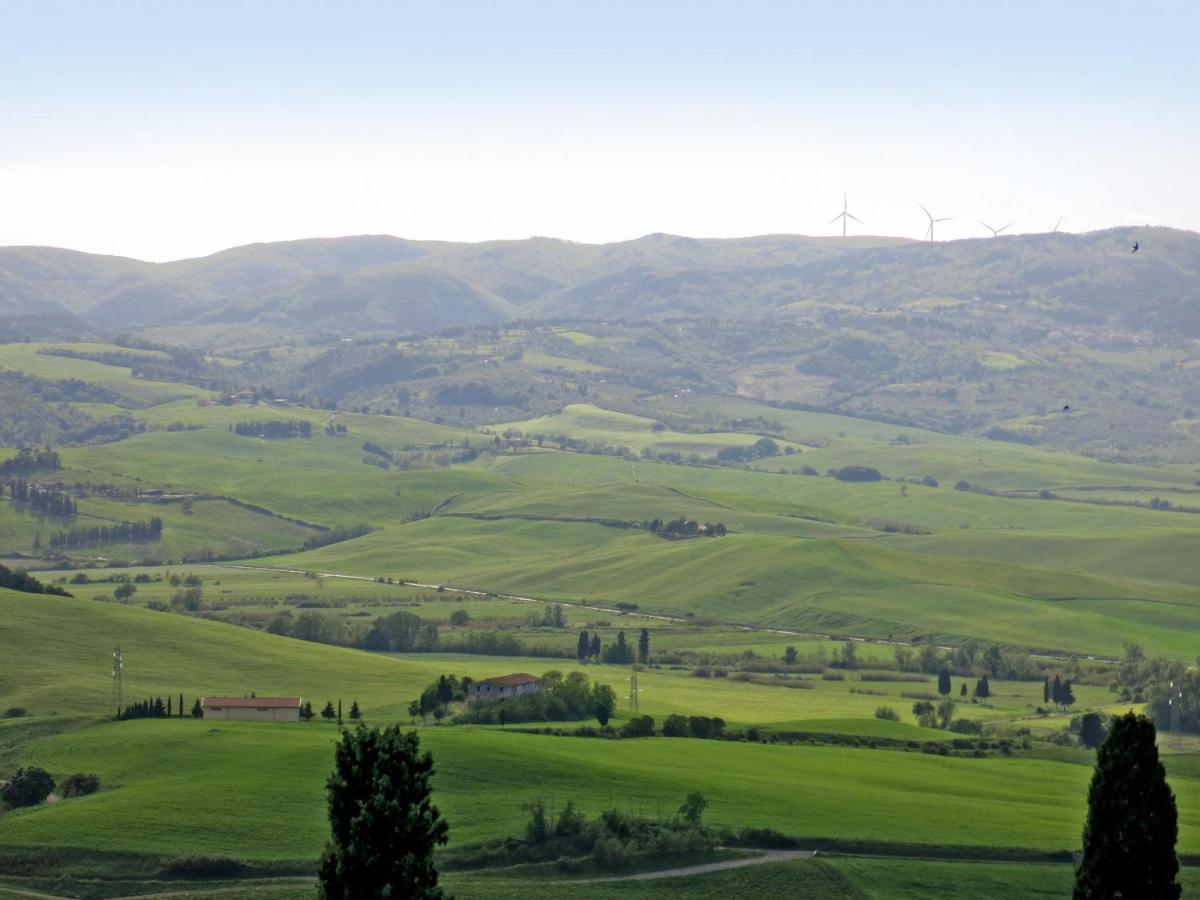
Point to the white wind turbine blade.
(855, 218)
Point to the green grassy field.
(156, 767)
(66, 669)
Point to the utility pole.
(117, 696)
(1175, 701)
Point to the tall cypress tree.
(384, 827)
(1129, 837)
(582, 650)
(644, 646)
(944, 682)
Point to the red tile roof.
(253, 702)
(511, 680)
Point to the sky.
(164, 129)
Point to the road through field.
(767, 856)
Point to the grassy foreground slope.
(155, 768)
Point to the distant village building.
(503, 688)
(252, 709)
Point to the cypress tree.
(583, 648)
(384, 825)
(644, 646)
(1046, 690)
(1131, 829)
(944, 682)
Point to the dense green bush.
(79, 785)
(28, 787)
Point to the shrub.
(200, 867)
(79, 785)
(28, 787)
(857, 473)
(14, 712)
(887, 713)
(675, 726)
(638, 726)
(966, 726)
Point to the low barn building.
(252, 709)
(504, 687)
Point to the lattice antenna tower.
(633, 691)
(117, 698)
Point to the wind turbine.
(844, 215)
(996, 231)
(932, 220)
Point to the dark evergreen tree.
(1131, 829)
(962, 691)
(384, 825)
(1068, 694)
(944, 682)
(1092, 730)
(181, 704)
(583, 648)
(169, 711)
(355, 712)
(328, 712)
(1046, 690)
(983, 690)
(197, 710)
(595, 648)
(644, 646)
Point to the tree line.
(121, 533)
(589, 647)
(154, 708)
(26, 583)
(54, 503)
(29, 459)
(293, 428)
(684, 528)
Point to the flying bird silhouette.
(1135, 247)
(1066, 408)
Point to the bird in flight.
(1135, 247)
(1066, 409)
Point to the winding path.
(766, 856)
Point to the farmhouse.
(504, 687)
(253, 709)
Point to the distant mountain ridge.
(375, 283)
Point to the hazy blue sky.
(160, 129)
